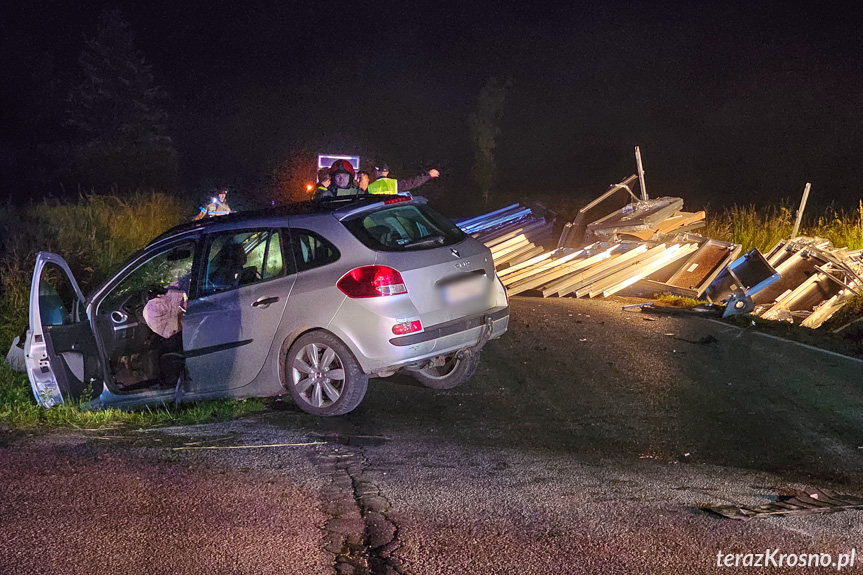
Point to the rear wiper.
(426, 241)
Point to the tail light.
(407, 327)
(372, 281)
(398, 199)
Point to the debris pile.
(618, 214)
(622, 242)
(513, 234)
(685, 264)
(646, 220)
(643, 241)
(811, 281)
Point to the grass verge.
(677, 301)
(18, 410)
(848, 342)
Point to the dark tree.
(484, 122)
(32, 106)
(117, 110)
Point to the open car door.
(60, 351)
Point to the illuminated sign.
(326, 160)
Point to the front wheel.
(452, 373)
(323, 376)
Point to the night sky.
(729, 102)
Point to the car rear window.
(404, 227)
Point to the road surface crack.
(360, 532)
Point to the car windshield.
(169, 268)
(404, 227)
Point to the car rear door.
(60, 350)
(244, 281)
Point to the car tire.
(452, 374)
(323, 375)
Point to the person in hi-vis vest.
(218, 207)
(323, 181)
(384, 184)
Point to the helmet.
(343, 166)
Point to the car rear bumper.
(454, 327)
(386, 354)
(442, 339)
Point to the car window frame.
(294, 235)
(206, 242)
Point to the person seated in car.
(227, 267)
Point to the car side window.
(274, 263)
(236, 259)
(311, 250)
(57, 299)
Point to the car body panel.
(227, 338)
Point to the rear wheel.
(323, 376)
(452, 373)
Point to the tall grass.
(94, 235)
(843, 228)
(762, 228)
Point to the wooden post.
(800, 210)
(640, 174)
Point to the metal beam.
(800, 210)
(640, 174)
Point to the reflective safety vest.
(217, 208)
(384, 186)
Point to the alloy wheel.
(318, 375)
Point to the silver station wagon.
(312, 298)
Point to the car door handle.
(265, 301)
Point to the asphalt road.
(586, 443)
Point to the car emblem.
(455, 252)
